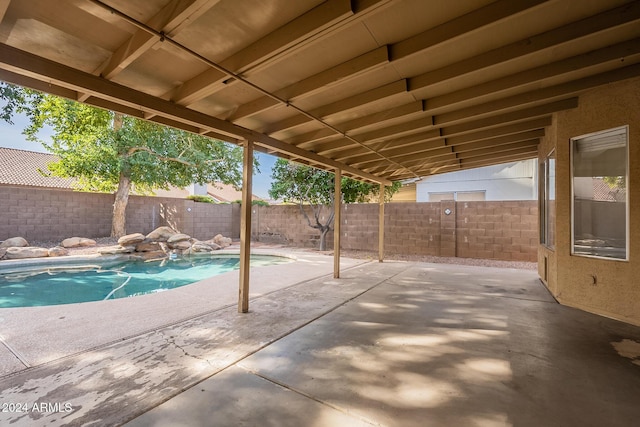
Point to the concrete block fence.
(505, 230)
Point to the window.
(438, 197)
(600, 218)
(459, 196)
(548, 201)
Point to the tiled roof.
(21, 167)
(226, 193)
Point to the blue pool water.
(64, 285)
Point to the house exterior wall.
(615, 291)
(510, 181)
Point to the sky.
(11, 137)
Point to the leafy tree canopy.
(153, 156)
(110, 152)
(312, 189)
(303, 184)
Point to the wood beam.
(456, 27)
(397, 51)
(294, 33)
(245, 227)
(497, 141)
(345, 104)
(305, 87)
(617, 16)
(23, 63)
(308, 139)
(539, 95)
(169, 20)
(524, 114)
(337, 206)
(509, 129)
(574, 63)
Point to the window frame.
(543, 194)
(572, 143)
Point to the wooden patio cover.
(379, 90)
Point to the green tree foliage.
(109, 152)
(313, 191)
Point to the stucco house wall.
(509, 181)
(603, 286)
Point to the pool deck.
(392, 344)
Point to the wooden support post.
(245, 227)
(381, 226)
(337, 206)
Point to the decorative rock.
(14, 242)
(77, 242)
(201, 247)
(152, 256)
(26, 252)
(131, 239)
(178, 238)
(115, 250)
(58, 251)
(222, 241)
(147, 246)
(213, 245)
(161, 234)
(2, 252)
(182, 245)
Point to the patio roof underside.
(384, 90)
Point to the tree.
(109, 152)
(313, 190)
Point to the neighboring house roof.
(602, 191)
(226, 193)
(22, 167)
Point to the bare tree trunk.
(118, 222)
(323, 237)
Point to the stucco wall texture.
(605, 287)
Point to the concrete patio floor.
(392, 344)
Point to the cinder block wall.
(495, 230)
(492, 230)
(49, 214)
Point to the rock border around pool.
(160, 243)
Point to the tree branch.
(135, 150)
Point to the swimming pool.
(67, 285)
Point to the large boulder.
(14, 242)
(161, 234)
(77, 242)
(222, 241)
(26, 252)
(131, 239)
(2, 252)
(213, 245)
(148, 246)
(178, 238)
(58, 251)
(181, 245)
(202, 247)
(116, 249)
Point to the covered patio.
(380, 91)
(393, 344)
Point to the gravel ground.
(521, 265)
